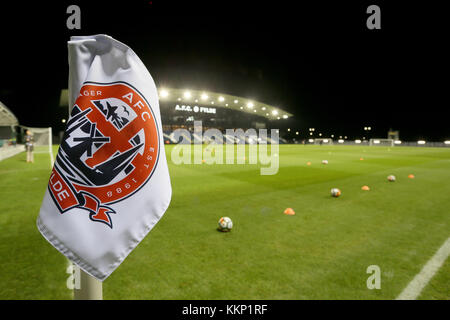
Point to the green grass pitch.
(322, 252)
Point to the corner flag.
(110, 182)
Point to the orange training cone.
(289, 212)
(365, 188)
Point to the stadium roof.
(7, 118)
(214, 99)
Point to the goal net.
(42, 140)
(381, 142)
(321, 141)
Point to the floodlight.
(263, 108)
(285, 116)
(250, 105)
(311, 140)
(357, 141)
(63, 120)
(297, 133)
(221, 98)
(376, 141)
(274, 112)
(340, 141)
(289, 129)
(187, 94)
(325, 140)
(204, 96)
(164, 93)
(397, 142)
(447, 141)
(421, 142)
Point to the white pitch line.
(415, 287)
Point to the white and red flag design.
(110, 182)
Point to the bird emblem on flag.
(108, 152)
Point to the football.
(391, 178)
(335, 192)
(225, 224)
(324, 161)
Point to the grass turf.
(322, 252)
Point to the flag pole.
(89, 288)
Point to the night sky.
(319, 62)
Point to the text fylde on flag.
(110, 182)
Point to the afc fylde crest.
(109, 151)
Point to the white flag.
(110, 183)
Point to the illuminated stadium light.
(187, 94)
(357, 141)
(325, 140)
(278, 118)
(267, 114)
(447, 141)
(332, 135)
(320, 134)
(250, 105)
(241, 108)
(254, 110)
(226, 104)
(221, 99)
(196, 100)
(376, 141)
(311, 140)
(263, 108)
(204, 96)
(340, 141)
(212, 102)
(179, 99)
(345, 137)
(285, 116)
(297, 133)
(421, 142)
(235, 101)
(63, 120)
(289, 129)
(310, 133)
(274, 112)
(397, 142)
(164, 93)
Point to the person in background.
(29, 146)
